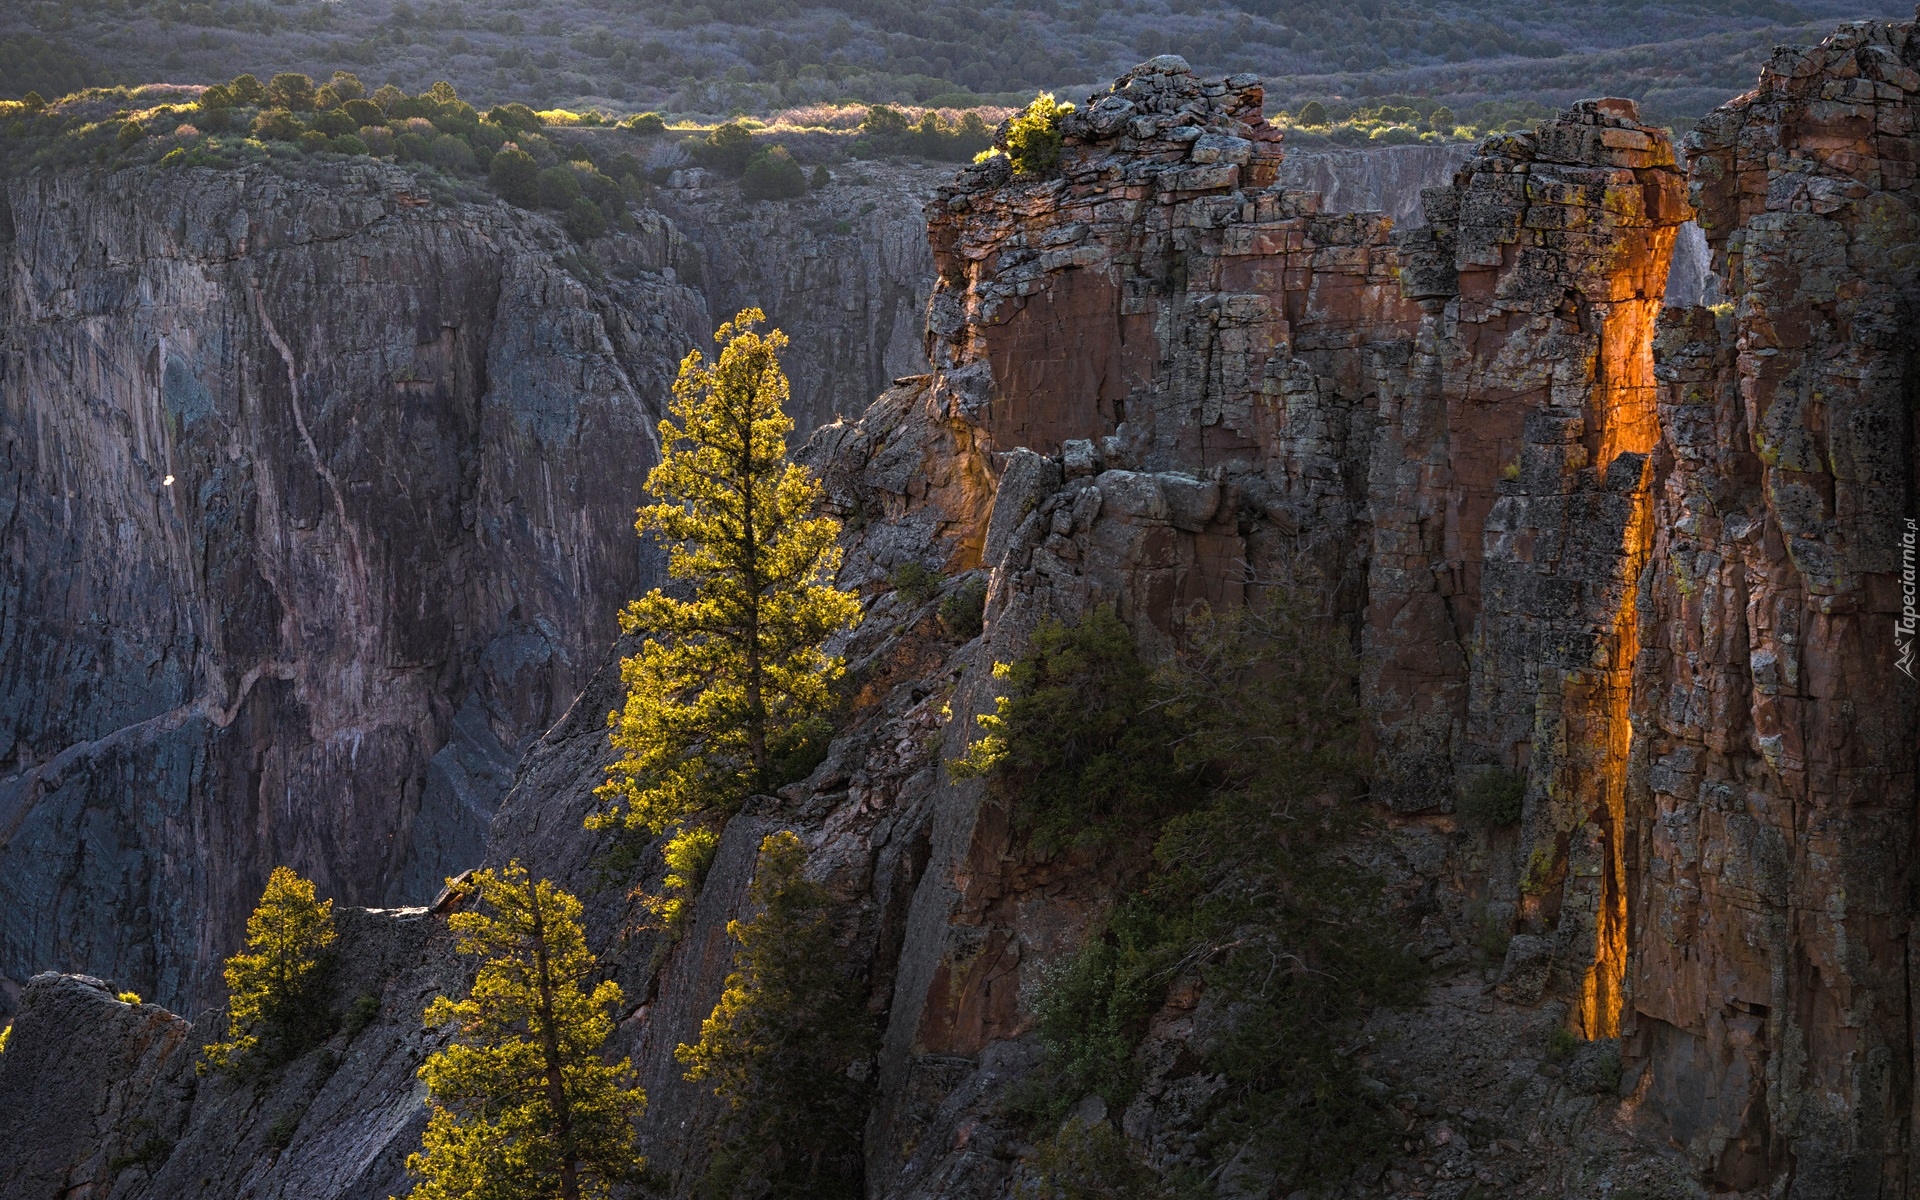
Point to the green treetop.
(275, 1007)
(778, 1045)
(731, 684)
(522, 1104)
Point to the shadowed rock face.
(844, 269)
(317, 509)
(1644, 561)
(103, 1099)
(1774, 732)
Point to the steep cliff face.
(844, 268)
(103, 1099)
(317, 510)
(1773, 779)
(1382, 179)
(1510, 526)
(1642, 564)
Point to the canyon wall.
(317, 510)
(1639, 561)
(844, 269)
(1772, 786)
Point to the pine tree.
(522, 1104)
(730, 685)
(779, 1044)
(276, 1006)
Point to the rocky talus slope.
(1642, 559)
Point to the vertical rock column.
(1775, 732)
(1513, 518)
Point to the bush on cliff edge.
(1235, 762)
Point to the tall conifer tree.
(731, 681)
(522, 1104)
(779, 1045)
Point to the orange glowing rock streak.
(1627, 421)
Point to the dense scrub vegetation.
(1228, 776)
(722, 57)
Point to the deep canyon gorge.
(1601, 451)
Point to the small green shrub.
(128, 997)
(915, 582)
(688, 854)
(821, 177)
(280, 1133)
(584, 221)
(1493, 800)
(963, 611)
(277, 125)
(1090, 1012)
(516, 176)
(1033, 137)
(773, 175)
(4, 1035)
(1089, 1162)
(248, 91)
(647, 124)
(149, 1152)
(1607, 1073)
(361, 1013)
(333, 124)
(559, 188)
(516, 119)
(313, 141)
(291, 90)
(726, 149)
(1312, 113)
(1078, 745)
(1562, 1044)
(131, 132)
(452, 154)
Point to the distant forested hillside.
(715, 57)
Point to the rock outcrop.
(103, 1100)
(1772, 783)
